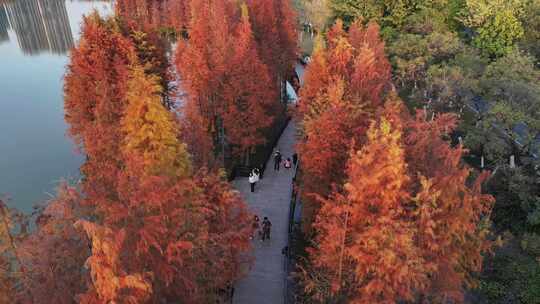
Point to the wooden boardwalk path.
(265, 282)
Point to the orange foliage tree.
(230, 101)
(110, 281)
(365, 243)
(150, 129)
(201, 63)
(146, 13)
(154, 14)
(54, 253)
(43, 264)
(450, 211)
(248, 103)
(274, 30)
(142, 22)
(408, 225)
(345, 84)
(169, 220)
(95, 89)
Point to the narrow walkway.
(265, 282)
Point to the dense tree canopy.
(232, 67)
(407, 192)
(404, 187)
(160, 214)
(101, 62)
(150, 130)
(185, 227)
(497, 24)
(344, 85)
(391, 210)
(364, 241)
(248, 105)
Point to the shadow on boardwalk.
(264, 283)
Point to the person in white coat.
(253, 179)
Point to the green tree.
(531, 24)
(485, 141)
(451, 84)
(350, 10)
(386, 13)
(413, 53)
(447, 88)
(497, 24)
(390, 14)
(511, 86)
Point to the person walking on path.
(277, 160)
(287, 164)
(295, 158)
(253, 179)
(266, 225)
(256, 227)
(257, 174)
(258, 171)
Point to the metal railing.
(288, 251)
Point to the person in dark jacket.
(266, 226)
(277, 160)
(295, 159)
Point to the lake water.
(35, 153)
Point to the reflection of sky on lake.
(35, 36)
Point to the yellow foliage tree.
(110, 282)
(151, 132)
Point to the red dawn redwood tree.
(323, 152)
(12, 270)
(229, 228)
(151, 51)
(95, 88)
(316, 79)
(263, 18)
(248, 102)
(362, 66)
(340, 56)
(273, 23)
(409, 223)
(230, 96)
(178, 14)
(155, 14)
(451, 210)
(141, 12)
(201, 62)
(110, 281)
(372, 73)
(54, 252)
(142, 22)
(147, 14)
(365, 244)
(185, 234)
(332, 129)
(288, 37)
(197, 226)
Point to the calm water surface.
(35, 38)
